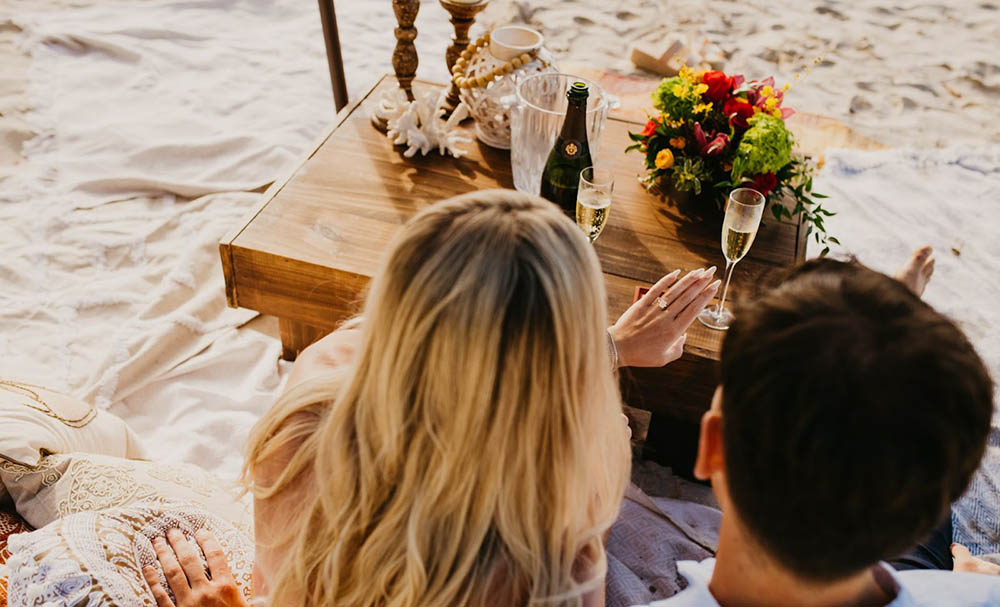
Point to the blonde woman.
(461, 444)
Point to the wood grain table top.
(307, 251)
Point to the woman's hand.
(186, 576)
(964, 561)
(651, 335)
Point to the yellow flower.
(689, 74)
(776, 113)
(679, 90)
(787, 86)
(771, 103)
(678, 142)
(767, 91)
(701, 89)
(702, 108)
(665, 159)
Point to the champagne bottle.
(570, 155)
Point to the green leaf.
(818, 195)
(824, 252)
(833, 240)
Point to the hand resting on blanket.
(187, 577)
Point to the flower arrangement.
(716, 132)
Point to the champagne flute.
(593, 200)
(743, 213)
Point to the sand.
(903, 73)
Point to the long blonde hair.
(473, 453)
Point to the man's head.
(850, 415)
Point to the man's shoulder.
(926, 587)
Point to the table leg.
(296, 336)
(673, 442)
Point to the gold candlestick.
(404, 57)
(463, 15)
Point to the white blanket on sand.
(156, 126)
(890, 202)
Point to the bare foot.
(917, 271)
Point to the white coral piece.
(420, 125)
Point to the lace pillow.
(64, 484)
(95, 559)
(36, 421)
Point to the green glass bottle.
(570, 155)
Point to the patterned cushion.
(10, 523)
(95, 559)
(36, 421)
(64, 484)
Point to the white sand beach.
(132, 136)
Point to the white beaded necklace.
(457, 72)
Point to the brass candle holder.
(404, 57)
(463, 15)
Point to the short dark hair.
(853, 416)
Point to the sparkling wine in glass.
(593, 200)
(739, 228)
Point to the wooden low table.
(307, 252)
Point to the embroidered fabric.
(95, 559)
(65, 484)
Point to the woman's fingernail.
(675, 273)
(710, 271)
(715, 285)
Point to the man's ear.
(710, 452)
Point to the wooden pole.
(328, 16)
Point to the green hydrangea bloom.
(766, 147)
(667, 100)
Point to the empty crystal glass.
(537, 115)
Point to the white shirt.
(916, 588)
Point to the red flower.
(650, 129)
(764, 183)
(707, 147)
(719, 85)
(738, 110)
